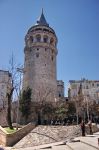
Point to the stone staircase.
(89, 142)
(48, 134)
(73, 145)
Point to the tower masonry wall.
(40, 64)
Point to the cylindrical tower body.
(40, 61)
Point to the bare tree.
(78, 100)
(13, 83)
(43, 99)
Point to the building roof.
(83, 80)
(41, 20)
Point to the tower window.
(37, 55)
(31, 39)
(52, 58)
(52, 41)
(45, 39)
(38, 38)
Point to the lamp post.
(87, 100)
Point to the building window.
(59, 95)
(37, 49)
(93, 84)
(52, 58)
(3, 86)
(45, 49)
(38, 38)
(97, 85)
(87, 87)
(45, 39)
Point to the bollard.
(98, 141)
(1, 148)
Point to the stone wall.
(3, 120)
(94, 128)
(10, 139)
(40, 64)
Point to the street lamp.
(87, 100)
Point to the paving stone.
(89, 140)
(61, 147)
(80, 146)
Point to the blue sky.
(76, 23)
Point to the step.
(80, 146)
(58, 147)
(45, 146)
(97, 133)
(89, 140)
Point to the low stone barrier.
(11, 139)
(94, 128)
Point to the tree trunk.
(39, 118)
(9, 96)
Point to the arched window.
(45, 38)
(38, 38)
(52, 41)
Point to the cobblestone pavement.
(48, 134)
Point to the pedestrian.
(83, 128)
(90, 127)
(98, 141)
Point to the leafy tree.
(60, 109)
(9, 98)
(64, 109)
(25, 103)
(42, 99)
(71, 108)
(48, 110)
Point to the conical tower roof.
(41, 20)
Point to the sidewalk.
(89, 142)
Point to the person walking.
(83, 128)
(90, 127)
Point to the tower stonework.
(40, 61)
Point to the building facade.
(40, 72)
(5, 82)
(60, 88)
(90, 88)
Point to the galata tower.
(40, 61)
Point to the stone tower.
(40, 61)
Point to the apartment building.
(90, 88)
